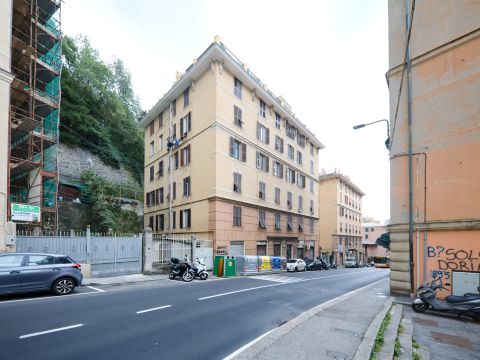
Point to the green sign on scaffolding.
(23, 212)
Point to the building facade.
(371, 232)
(435, 142)
(243, 167)
(340, 223)
(34, 112)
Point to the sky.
(327, 58)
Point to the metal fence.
(108, 255)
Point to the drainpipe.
(410, 165)
(170, 171)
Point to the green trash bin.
(230, 266)
(219, 264)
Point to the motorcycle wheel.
(203, 276)
(187, 276)
(171, 275)
(419, 307)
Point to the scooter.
(183, 270)
(199, 270)
(468, 304)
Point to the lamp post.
(387, 142)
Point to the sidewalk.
(123, 279)
(333, 330)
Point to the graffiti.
(453, 259)
(441, 278)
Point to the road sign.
(23, 212)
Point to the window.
(174, 107)
(160, 222)
(237, 88)
(291, 152)
(263, 107)
(152, 148)
(160, 168)
(174, 219)
(160, 120)
(291, 132)
(159, 197)
(262, 161)
(299, 158)
(366, 229)
(277, 221)
(34, 260)
(186, 97)
(300, 224)
(289, 200)
(301, 140)
(311, 166)
(311, 149)
(290, 175)
(238, 150)
(174, 190)
(237, 116)
(175, 159)
(279, 144)
(150, 222)
(289, 222)
(312, 225)
(261, 190)
(278, 169)
(185, 155)
(185, 218)
(311, 207)
(301, 180)
(300, 203)
(237, 182)
(237, 216)
(11, 260)
(160, 143)
(366, 236)
(174, 131)
(185, 125)
(278, 120)
(186, 186)
(152, 127)
(311, 186)
(263, 134)
(152, 172)
(277, 195)
(262, 224)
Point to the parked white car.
(296, 265)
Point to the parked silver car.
(22, 272)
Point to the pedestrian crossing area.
(279, 278)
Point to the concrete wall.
(445, 48)
(5, 80)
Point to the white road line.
(277, 284)
(50, 331)
(94, 288)
(236, 352)
(153, 309)
(46, 297)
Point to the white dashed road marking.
(153, 309)
(50, 331)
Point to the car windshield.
(292, 261)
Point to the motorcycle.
(333, 265)
(468, 304)
(181, 269)
(199, 270)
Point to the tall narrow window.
(160, 120)
(311, 166)
(186, 186)
(185, 156)
(299, 158)
(237, 182)
(311, 207)
(300, 203)
(185, 218)
(186, 97)
(261, 190)
(174, 190)
(263, 133)
(300, 224)
(238, 150)
(311, 186)
(289, 222)
(263, 108)
(152, 148)
(277, 195)
(152, 173)
(278, 169)
(237, 216)
(160, 143)
(175, 159)
(174, 218)
(311, 149)
(262, 161)
(289, 200)
(185, 125)
(152, 127)
(291, 152)
(278, 120)
(174, 107)
(262, 224)
(237, 116)
(277, 221)
(160, 168)
(237, 88)
(279, 144)
(162, 222)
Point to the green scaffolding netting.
(52, 89)
(53, 57)
(50, 159)
(50, 124)
(19, 196)
(49, 192)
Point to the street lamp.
(387, 142)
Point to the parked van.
(351, 262)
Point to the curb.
(365, 348)
(255, 347)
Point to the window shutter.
(181, 219)
(244, 152)
(258, 160)
(181, 126)
(189, 121)
(239, 182)
(258, 130)
(268, 136)
(181, 156)
(231, 146)
(268, 164)
(189, 154)
(189, 218)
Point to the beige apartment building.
(243, 167)
(340, 212)
(371, 232)
(435, 145)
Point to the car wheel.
(296, 269)
(63, 286)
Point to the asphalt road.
(166, 319)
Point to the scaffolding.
(35, 109)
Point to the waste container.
(264, 265)
(219, 265)
(230, 268)
(247, 265)
(276, 262)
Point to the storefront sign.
(23, 212)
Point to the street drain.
(282, 322)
